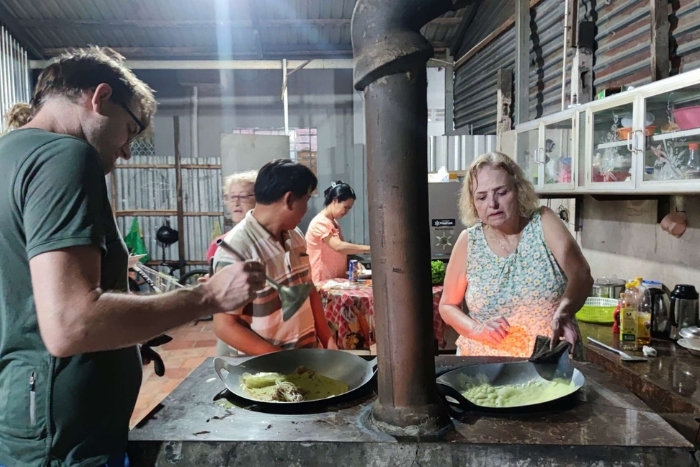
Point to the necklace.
(500, 243)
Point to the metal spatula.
(623, 356)
(292, 298)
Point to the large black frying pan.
(452, 384)
(342, 366)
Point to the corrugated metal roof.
(202, 28)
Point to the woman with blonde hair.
(239, 198)
(517, 266)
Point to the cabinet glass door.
(558, 151)
(613, 149)
(672, 136)
(530, 153)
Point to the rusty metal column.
(397, 128)
(390, 67)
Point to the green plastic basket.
(597, 310)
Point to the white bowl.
(691, 345)
(626, 119)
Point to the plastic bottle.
(643, 313)
(616, 315)
(628, 323)
(632, 293)
(692, 168)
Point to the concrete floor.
(191, 344)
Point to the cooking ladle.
(292, 297)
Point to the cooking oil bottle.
(628, 323)
(643, 313)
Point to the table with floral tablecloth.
(349, 310)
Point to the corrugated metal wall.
(456, 153)
(546, 47)
(622, 55)
(475, 85)
(623, 40)
(14, 73)
(475, 81)
(685, 35)
(154, 189)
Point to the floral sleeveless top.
(525, 288)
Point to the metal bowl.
(336, 364)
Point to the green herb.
(438, 270)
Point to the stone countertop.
(668, 383)
(604, 414)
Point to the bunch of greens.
(438, 270)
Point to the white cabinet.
(610, 146)
(545, 152)
(644, 140)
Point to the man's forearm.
(243, 339)
(114, 320)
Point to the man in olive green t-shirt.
(69, 366)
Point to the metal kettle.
(684, 308)
(660, 315)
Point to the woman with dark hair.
(328, 250)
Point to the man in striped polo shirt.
(269, 234)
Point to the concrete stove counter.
(606, 425)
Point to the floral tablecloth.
(350, 313)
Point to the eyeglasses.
(239, 198)
(138, 122)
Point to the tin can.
(353, 271)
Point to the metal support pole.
(522, 61)
(397, 127)
(565, 50)
(449, 96)
(178, 188)
(390, 68)
(285, 97)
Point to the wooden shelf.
(169, 166)
(166, 212)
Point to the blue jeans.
(118, 461)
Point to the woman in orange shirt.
(328, 251)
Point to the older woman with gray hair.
(517, 267)
(239, 198)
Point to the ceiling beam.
(19, 33)
(192, 23)
(317, 64)
(299, 51)
(271, 51)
